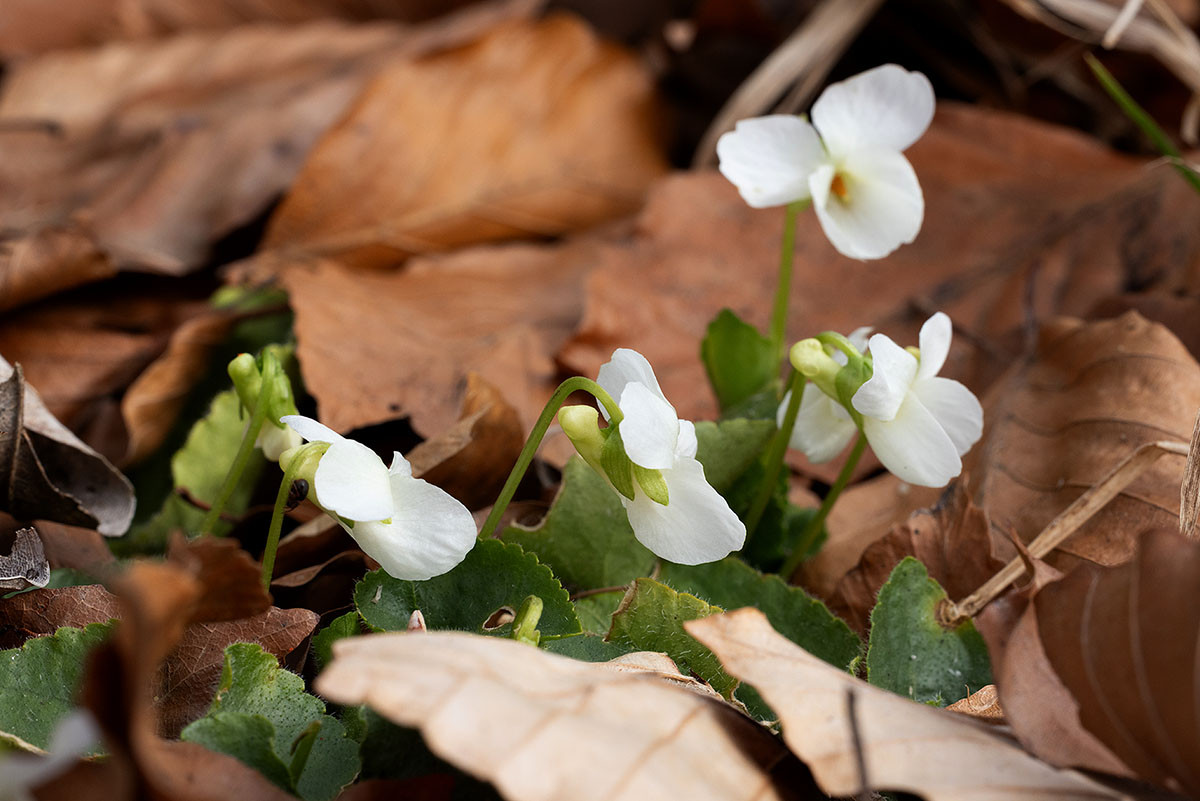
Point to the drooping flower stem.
(576, 384)
(783, 287)
(281, 504)
(257, 417)
(813, 529)
(775, 453)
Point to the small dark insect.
(297, 493)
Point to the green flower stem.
(525, 625)
(813, 529)
(257, 417)
(281, 503)
(783, 288)
(578, 383)
(835, 340)
(775, 453)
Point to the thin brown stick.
(1067, 523)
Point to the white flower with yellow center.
(848, 160)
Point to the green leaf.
(253, 685)
(200, 467)
(586, 648)
(39, 682)
(911, 654)
(493, 576)
(338, 629)
(782, 524)
(728, 448)
(595, 611)
(585, 538)
(732, 584)
(249, 738)
(738, 359)
(651, 618)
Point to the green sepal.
(652, 483)
(616, 463)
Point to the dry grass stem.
(1066, 524)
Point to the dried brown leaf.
(47, 473)
(472, 458)
(1123, 641)
(538, 129)
(77, 548)
(904, 746)
(24, 566)
(983, 704)
(952, 539)
(515, 716)
(29, 26)
(1090, 394)
(499, 311)
(131, 164)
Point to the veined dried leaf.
(538, 129)
(498, 311)
(516, 716)
(1123, 641)
(984, 704)
(25, 565)
(903, 745)
(1089, 396)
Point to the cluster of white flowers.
(918, 423)
(848, 160)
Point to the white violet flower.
(918, 424)
(823, 426)
(413, 529)
(848, 160)
(695, 524)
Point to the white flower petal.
(274, 440)
(935, 338)
(625, 367)
(310, 429)
(955, 407)
(769, 159)
(881, 395)
(430, 532)
(686, 445)
(650, 429)
(697, 525)
(913, 446)
(819, 184)
(882, 208)
(400, 465)
(351, 481)
(886, 107)
(823, 427)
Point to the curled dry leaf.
(1122, 641)
(46, 472)
(516, 716)
(130, 163)
(498, 311)
(25, 565)
(472, 458)
(952, 539)
(904, 745)
(538, 129)
(999, 247)
(1088, 397)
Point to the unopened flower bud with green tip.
(248, 375)
(581, 424)
(813, 361)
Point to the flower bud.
(811, 360)
(581, 424)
